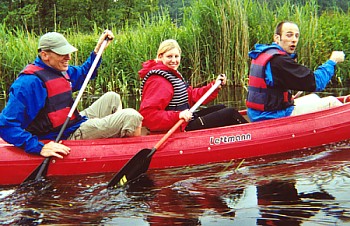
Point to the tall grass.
(218, 40)
(334, 33)
(215, 37)
(15, 51)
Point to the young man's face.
(289, 37)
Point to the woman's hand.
(186, 115)
(223, 79)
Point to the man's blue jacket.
(27, 97)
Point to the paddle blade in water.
(39, 172)
(134, 168)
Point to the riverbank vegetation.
(215, 36)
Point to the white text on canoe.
(229, 139)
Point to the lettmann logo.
(229, 139)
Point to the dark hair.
(278, 29)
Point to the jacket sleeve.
(27, 96)
(156, 95)
(194, 94)
(324, 74)
(78, 73)
(286, 73)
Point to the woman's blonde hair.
(167, 45)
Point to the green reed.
(15, 50)
(218, 33)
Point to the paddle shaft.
(192, 109)
(298, 94)
(43, 166)
(82, 89)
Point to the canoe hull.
(190, 148)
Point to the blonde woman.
(166, 96)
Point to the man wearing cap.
(41, 97)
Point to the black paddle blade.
(39, 172)
(134, 168)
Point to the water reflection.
(281, 203)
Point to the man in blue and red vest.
(274, 72)
(41, 98)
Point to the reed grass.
(219, 40)
(16, 48)
(215, 36)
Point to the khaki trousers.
(312, 102)
(106, 119)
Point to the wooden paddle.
(41, 170)
(139, 164)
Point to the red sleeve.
(194, 94)
(156, 95)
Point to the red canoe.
(189, 148)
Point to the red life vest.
(261, 96)
(58, 102)
(179, 102)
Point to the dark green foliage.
(175, 8)
(82, 15)
(323, 4)
(44, 15)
